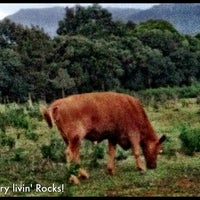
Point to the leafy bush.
(122, 154)
(190, 139)
(18, 154)
(31, 135)
(98, 152)
(6, 140)
(55, 151)
(34, 112)
(14, 117)
(163, 94)
(18, 118)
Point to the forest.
(92, 52)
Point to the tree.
(12, 85)
(63, 81)
(34, 49)
(186, 63)
(158, 34)
(93, 22)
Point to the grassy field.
(32, 161)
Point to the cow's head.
(151, 150)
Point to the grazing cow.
(117, 117)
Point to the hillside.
(185, 17)
(46, 18)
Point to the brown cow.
(117, 117)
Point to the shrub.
(6, 140)
(190, 139)
(18, 118)
(34, 112)
(31, 135)
(55, 151)
(18, 154)
(98, 152)
(14, 117)
(122, 154)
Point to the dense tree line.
(92, 52)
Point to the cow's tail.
(47, 116)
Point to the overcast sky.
(10, 8)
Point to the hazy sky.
(11, 8)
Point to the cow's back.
(100, 114)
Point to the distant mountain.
(122, 14)
(184, 16)
(46, 18)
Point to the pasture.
(32, 160)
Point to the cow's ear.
(162, 139)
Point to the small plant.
(6, 140)
(97, 153)
(14, 117)
(34, 112)
(121, 154)
(18, 119)
(54, 151)
(190, 139)
(31, 135)
(73, 169)
(18, 154)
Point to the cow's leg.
(73, 156)
(135, 146)
(111, 161)
(72, 151)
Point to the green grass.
(26, 163)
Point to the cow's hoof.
(83, 174)
(74, 179)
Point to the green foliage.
(55, 151)
(14, 117)
(93, 52)
(33, 112)
(122, 154)
(92, 21)
(158, 24)
(98, 152)
(18, 154)
(190, 138)
(165, 93)
(18, 118)
(73, 169)
(30, 134)
(6, 140)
